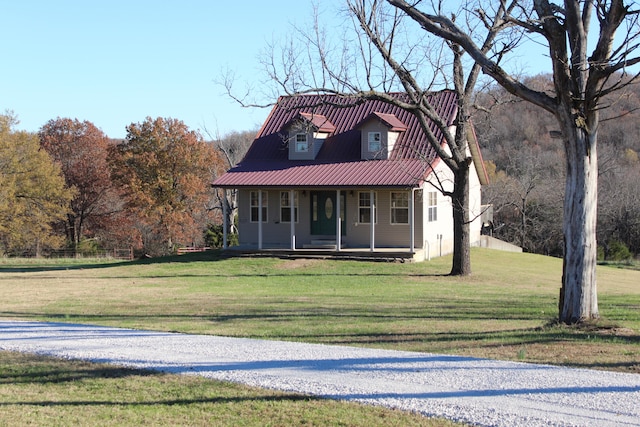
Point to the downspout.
(260, 219)
(412, 221)
(338, 222)
(293, 220)
(372, 221)
(225, 223)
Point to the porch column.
(260, 219)
(372, 221)
(293, 219)
(338, 222)
(412, 222)
(225, 223)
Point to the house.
(330, 172)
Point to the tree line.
(70, 186)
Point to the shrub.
(213, 236)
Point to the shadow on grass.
(206, 256)
(439, 339)
(170, 402)
(212, 255)
(25, 369)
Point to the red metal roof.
(339, 163)
(388, 119)
(319, 121)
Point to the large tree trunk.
(578, 296)
(461, 224)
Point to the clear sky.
(115, 62)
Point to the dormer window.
(379, 133)
(375, 142)
(302, 144)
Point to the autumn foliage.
(80, 149)
(33, 195)
(165, 171)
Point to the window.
(364, 207)
(432, 207)
(302, 145)
(285, 206)
(255, 205)
(375, 141)
(399, 208)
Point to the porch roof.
(406, 173)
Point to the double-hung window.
(255, 206)
(285, 206)
(364, 207)
(375, 142)
(432, 206)
(399, 208)
(302, 144)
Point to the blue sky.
(115, 62)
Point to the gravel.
(476, 391)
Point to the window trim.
(304, 143)
(432, 206)
(287, 207)
(378, 142)
(393, 209)
(254, 196)
(368, 207)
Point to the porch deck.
(364, 254)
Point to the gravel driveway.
(477, 391)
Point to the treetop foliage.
(32, 191)
(165, 171)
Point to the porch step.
(320, 244)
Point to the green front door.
(323, 213)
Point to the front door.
(323, 213)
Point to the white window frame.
(285, 206)
(366, 209)
(302, 145)
(404, 196)
(254, 204)
(374, 140)
(432, 206)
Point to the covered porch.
(334, 221)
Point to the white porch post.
(225, 223)
(338, 222)
(260, 219)
(412, 225)
(372, 221)
(293, 219)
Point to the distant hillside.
(525, 158)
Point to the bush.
(213, 236)
(615, 250)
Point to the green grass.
(41, 391)
(505, 310)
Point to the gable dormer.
(306, 134)
(379, 133)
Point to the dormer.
(379, 133)
(306, 134)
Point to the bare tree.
(581, 80)
(232, 146)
